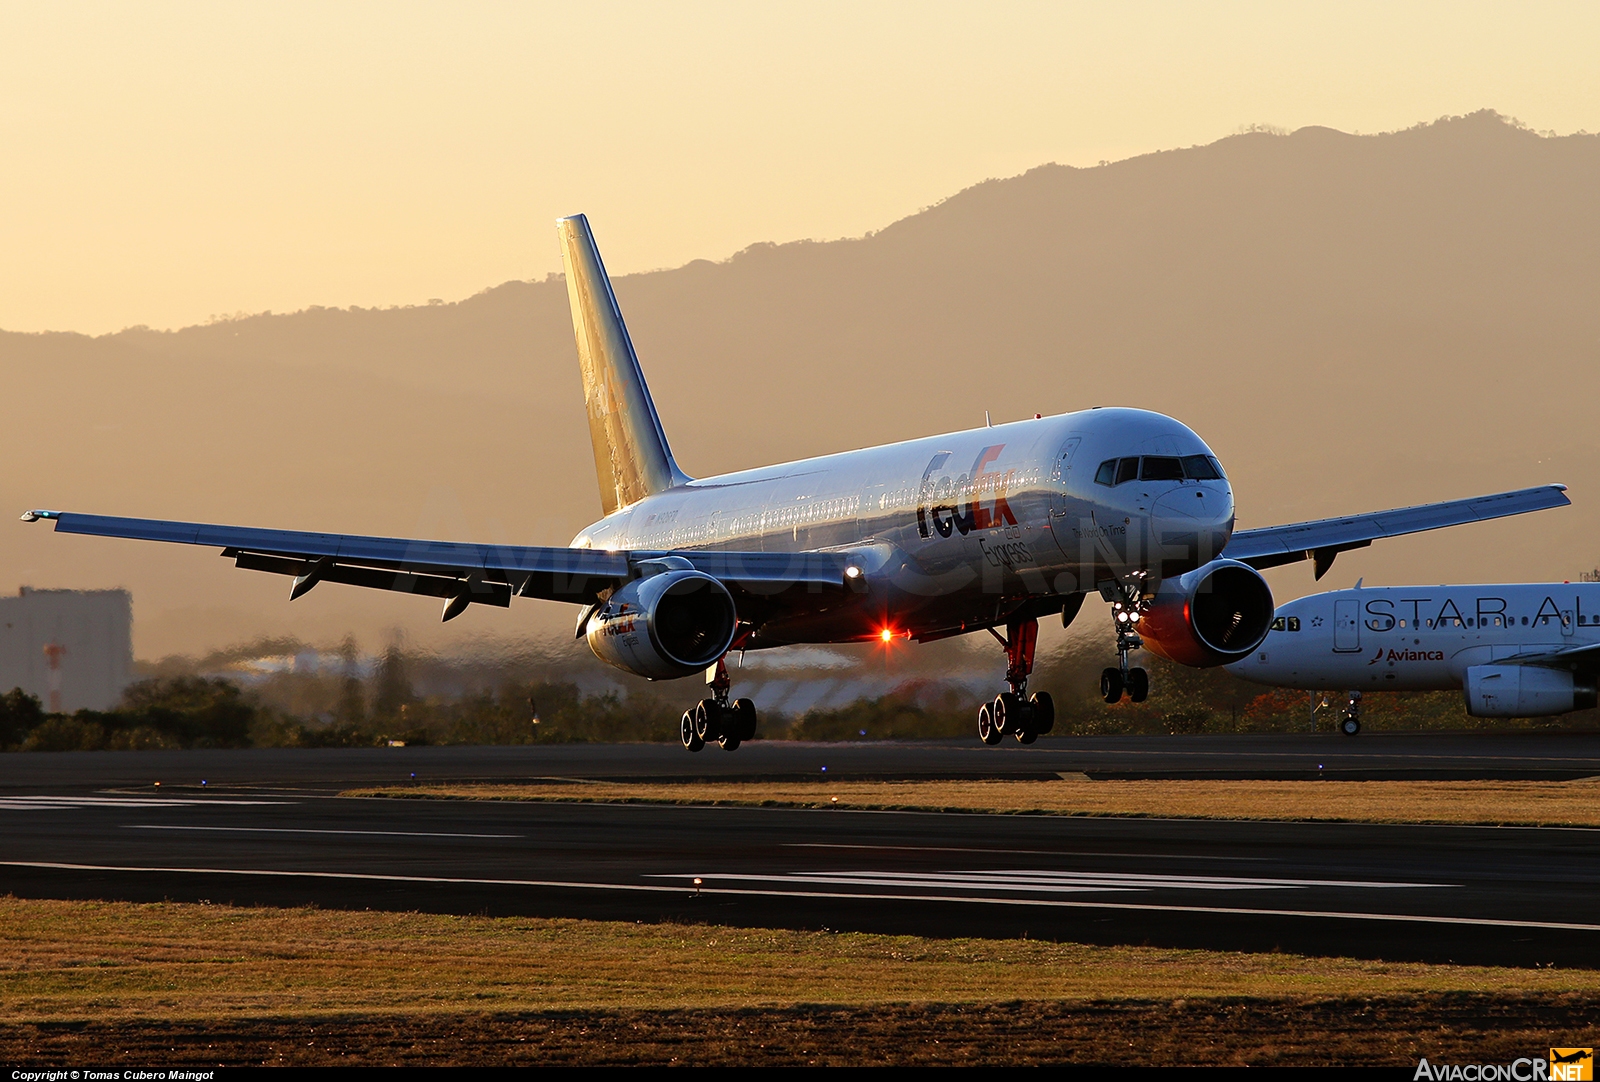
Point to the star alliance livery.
(1516, 651)
(986, 530)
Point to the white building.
(71, 648)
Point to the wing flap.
(1323, 539)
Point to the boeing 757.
(1515, 651)
(987, 530)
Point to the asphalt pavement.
(267, 827)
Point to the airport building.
(71, 648)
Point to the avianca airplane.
(1516, 651)
(990, 529)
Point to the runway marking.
(663, 888)
(59, 803)
(1047, 882)
(305, 830)
(1025, 852)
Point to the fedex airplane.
(1516, 651)
(988, 530)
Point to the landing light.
(886, 635)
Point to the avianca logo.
(1407, 655)
(938, 503)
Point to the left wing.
(1324, 539)
(462, 573)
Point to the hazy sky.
(164, 162)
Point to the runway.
(268, 828)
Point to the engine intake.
(1214, 615)
(1523, 691)
(663, 626)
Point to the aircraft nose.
(1195, 518)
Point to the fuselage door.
(1569, 622)
(1061, 476)
(1346, 626)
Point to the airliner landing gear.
(1350, 724)
(1015, 712)
(1136, 682)
(718, 719)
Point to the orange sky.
(164, 162)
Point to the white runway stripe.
(308, 830)
(1050, 882)
(663, 888)
(57, 803)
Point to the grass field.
(197, 983)
(1540, 803)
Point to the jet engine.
(670, 624)
(1214, 615)
(1523, 691)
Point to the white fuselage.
(1418, 638)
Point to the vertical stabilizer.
(631, 455)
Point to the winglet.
(631, 455)
(35, 516)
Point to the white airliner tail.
(631, 456)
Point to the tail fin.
(631, 455)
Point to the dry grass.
(1536, 803)
(105, 961)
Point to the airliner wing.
(1324, 539)
(1584, 658)
(463, 573)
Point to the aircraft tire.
(707, 720)
(1007, 712)
(1044, 712)
(986, 730)
(743, 721)
(1138, 685)
(1350, 726)
(728, 743)
(691, 739)
(1111, 685)
(1027, 736)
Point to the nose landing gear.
(1125, 615)
(1350, 724)
(728, 723)
(1015, 712)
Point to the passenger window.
(1107, 473)
(1200, 468)
(1294, 623)
(1161, 468)
(1279, 624)
(1127, 470)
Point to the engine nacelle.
(1523, 691)
(666, 625)
(1214, 615)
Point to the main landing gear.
(1015, 712)
(1136, 682)
(717, 719)
(1350, 724)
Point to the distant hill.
(1352, 322)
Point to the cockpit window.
(1200, 468)
(1286, 623)
(1127, 470)
(1107, 473)
(1161, 468)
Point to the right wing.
(465, 573)
(1325, 538)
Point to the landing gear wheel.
(986, 730)
(742, 719)
(1007, 713)
(691, 739)
(1138, 685)
(707, 720)
(1027, 736)
(1350, 726)
(1111, 685)
(1044, 712)
(728, 742)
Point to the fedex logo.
(939, 502)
